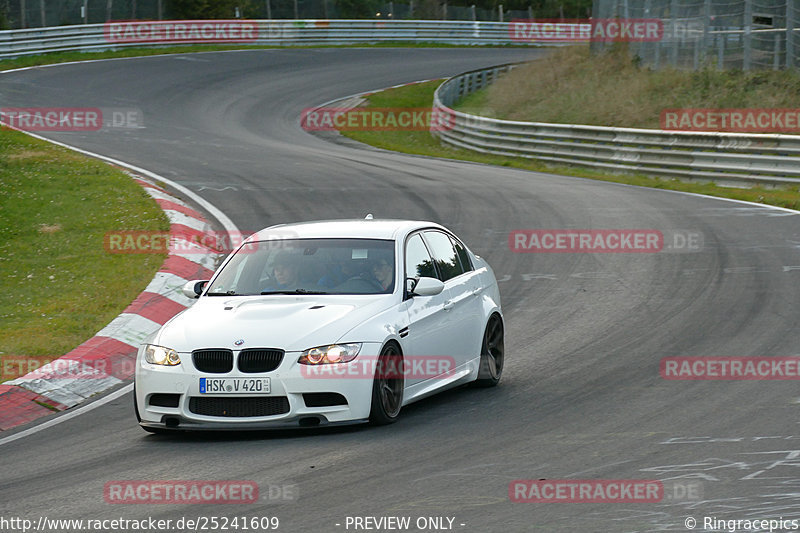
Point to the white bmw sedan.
(323, 323)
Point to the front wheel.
(492, 354)
(387, 386)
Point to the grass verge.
(59, 285)
(423, 143)
(571, 86)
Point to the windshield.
(309, 266)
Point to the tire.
(492, 354)
(387, 387)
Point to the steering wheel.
(357, 282)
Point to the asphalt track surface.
(581, 397)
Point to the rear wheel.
(387, 386)
(492, 353)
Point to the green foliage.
(210, 9)
(59, 284)
(358, 9)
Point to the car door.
(462, 304)
(428, 335)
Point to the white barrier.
(765, 159)
(95, 37)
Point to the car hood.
(287, 322)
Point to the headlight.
(158, 355)
(333, 353)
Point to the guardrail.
(766, 159)
(94, 37)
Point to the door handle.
(447, 305)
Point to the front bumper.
(164, 396)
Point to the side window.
(418, 260)
(447, 261)
(463, 255)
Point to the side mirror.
(194, 289)
(427, 287)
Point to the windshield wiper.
(295, 291)
(227, 293)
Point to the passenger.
(383, 273)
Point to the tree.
(358, 9)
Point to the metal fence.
(21, 14)
(746, 34)
(95, 37)
(766, 159)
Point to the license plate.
(234, 386)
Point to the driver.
(284, 272)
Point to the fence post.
(673, 15)
(85, 11)
(160, 10)
(748, 34)
(42, 14)
(530, 12)
(706, 30)
(269, 9)
(721, 51)
(645, 47)
(444, 10)
(789, 33)
(296, 11)
(133, 9)
(22, 22)
(500, 10)
(597, 12)
(474, 15)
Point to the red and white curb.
(108, 358)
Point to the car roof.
(347, 228)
